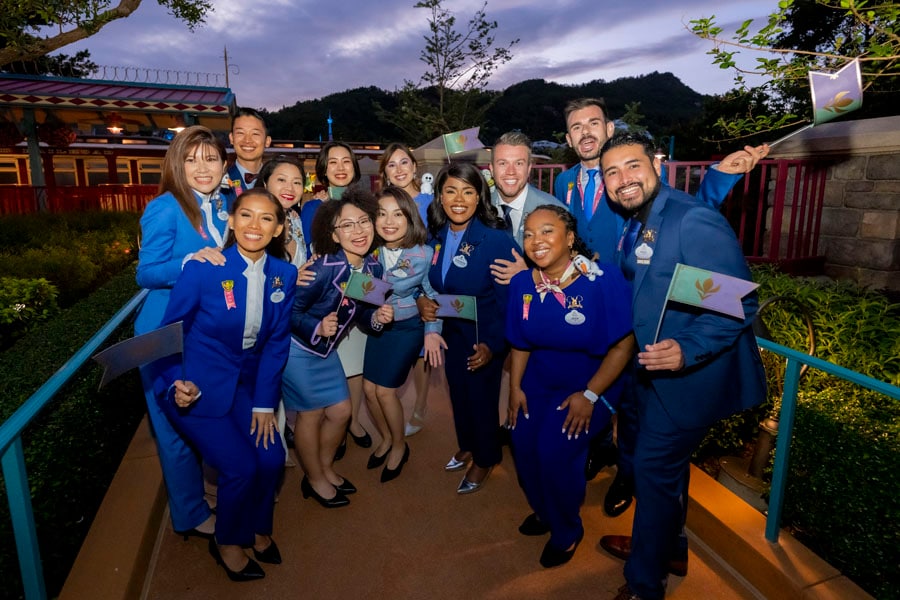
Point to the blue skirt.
(312, 382)
(391, 355)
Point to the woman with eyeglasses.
(314, 383)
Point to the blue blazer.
(236, 182)
(723, 372)
(475, 279)
(533, 198)
(213, 332)
(324, 294)
(409, 278)
(602, 232)
(167, 236)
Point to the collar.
(519, 202)
(254, 267)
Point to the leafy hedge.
(72, 450)
(843, 496)
(24, 303)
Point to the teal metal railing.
(13, 455)
(795, 360)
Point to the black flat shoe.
(270, 555)
(363, 441)
(532, 525)
(337, 501)
(389, 474)
(194, 533)
(552, 557)
(251, 571)
(346, 487)
(341, 451)
(376, 461)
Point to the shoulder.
(162, 203)
(537, 197)
(522, 279)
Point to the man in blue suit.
(250, 137)
(699, 367)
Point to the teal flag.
(460, 141)
(710, 290)
(835, 94)
(367, 288)
(457, 306)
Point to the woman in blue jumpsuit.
(571, 338)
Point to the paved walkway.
(416, 538)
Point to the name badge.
(460, 261)
(643, 254)
(223, 215)
(276, 296)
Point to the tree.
(30, 29)
(60, 65)
(459, 66)
(633, 119)
(804, 35)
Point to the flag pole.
(792, 134)
(668, 295)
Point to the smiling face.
(255, 223)
(547, 242)
(587, 131)
(400, 170)
(459, 200)
(631, 178)
(248, 136)
(204, 168)
(354, 232)
(391, 224)
(510, 166)
(286, 184)
(339, 168)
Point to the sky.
(285, 51)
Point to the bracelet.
(376, 324)
(593, 397)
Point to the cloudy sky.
(284, 51)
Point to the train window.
(9, 172)
(64, 170)
(123, 172)
(149, 171)
(97, 171)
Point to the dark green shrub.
(72, 450)
(24, 303)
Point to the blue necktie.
(506, 210)
(631, 235)
(589, 190)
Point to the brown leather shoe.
(620, 547)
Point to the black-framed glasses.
(349, 226)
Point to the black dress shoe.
(250, 572)
(363, 441)
(346, 487)
(532, 525)
(601, 453)
(194, 533)
(270, 555)
(619, 496)
(389, 474)
(376, 461)
(341, 451)
(337, 501)
(288, 436)
(553, 557)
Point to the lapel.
(415, 256)
(338, 264)
(471, 239)
(654, 223)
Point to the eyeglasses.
(349, 226)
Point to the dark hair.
(579, 103)
(173, 178)
(276, 244)
(328, 212)
(415, 229)
(571, 224)
(625, 138)
(322, 162)
(484, 210)
(386, 157)
(244, 111)
(262, 179)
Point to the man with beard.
(581, 189)
(700, 367)
(250, 138)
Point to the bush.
(24, 303)
(73, 448)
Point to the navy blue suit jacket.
(213, 332)
(723, 372)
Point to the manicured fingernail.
(526, 415)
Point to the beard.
(646, 200)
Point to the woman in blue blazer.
(187, 221)
(405, 259)
(468, 236)
(236, 320)
(314, 384)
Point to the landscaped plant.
(24, 303)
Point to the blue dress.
(566, 345)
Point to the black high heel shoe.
(251, 571)
(193, 532)
(389, 474)
(363, 441)
(270, 555)
(376, 461)
(341, 451)
(346, 487)
(337, 501)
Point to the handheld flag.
(366, 288)
(140, 350)
(460, 141)
(834, 94)
(457, 306)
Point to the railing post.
(783, 447)
(20, 510)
